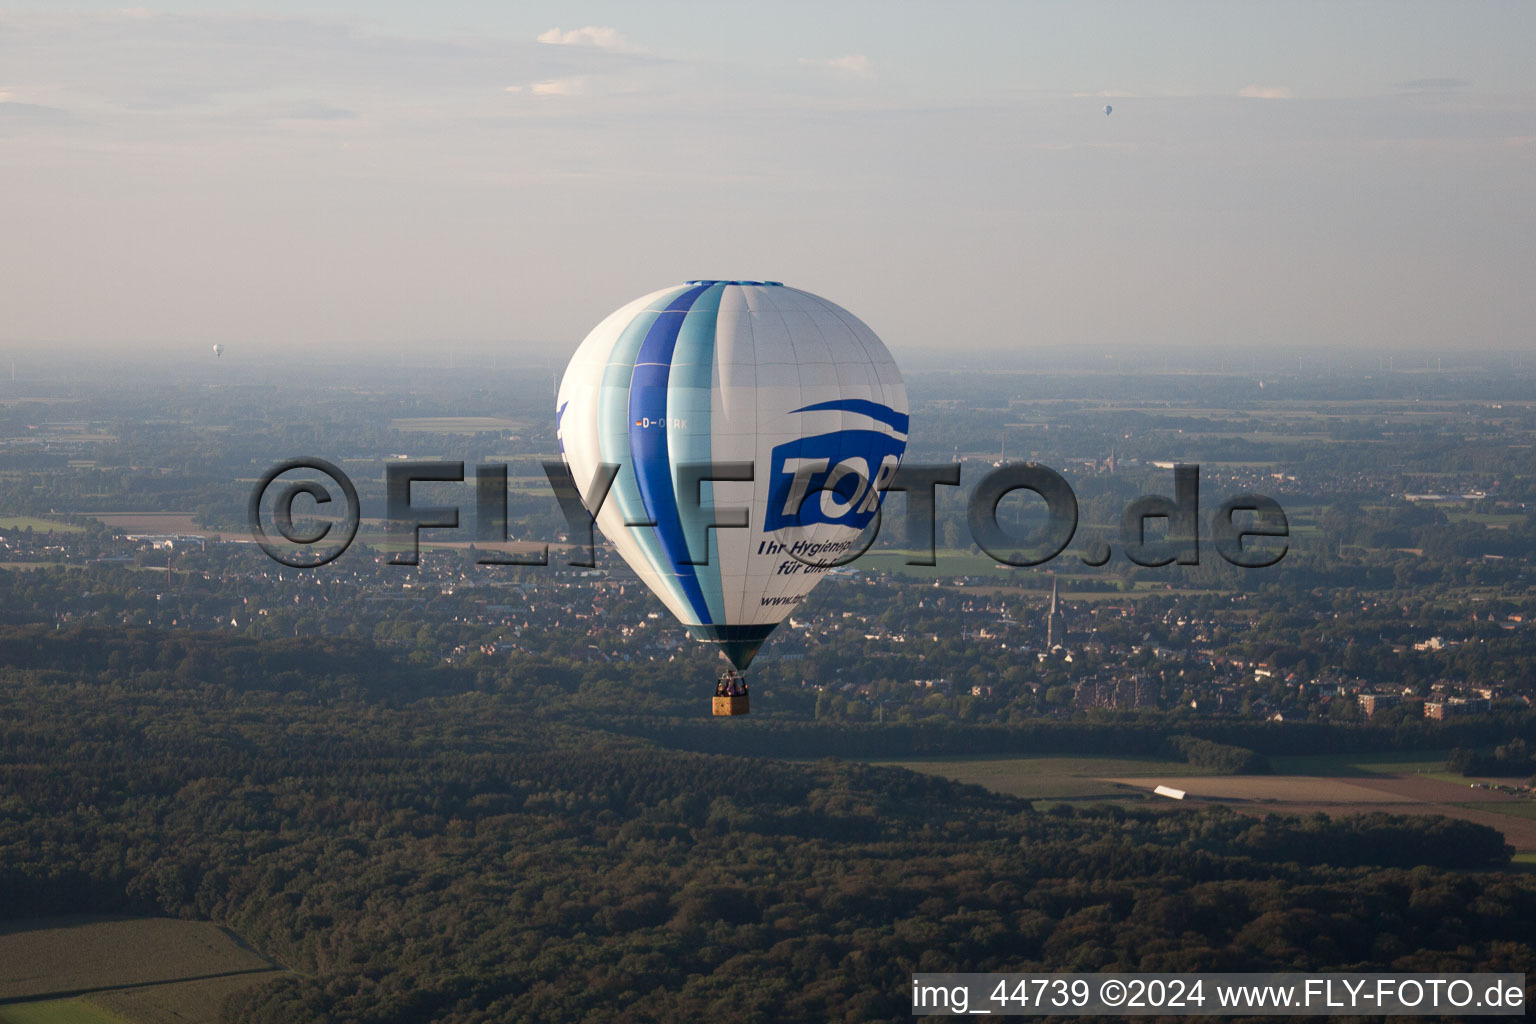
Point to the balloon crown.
(760, 284)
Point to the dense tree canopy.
(426, 845)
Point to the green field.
(962, 562)
(1493, 520)
(131, 970)
(37, 525)
(1080, 778)
(1048, 778)
(1523, 809)
(951, 562)
(454, 424)
(58, 1011)
(1430, 764)
(1067, 567)
(178, 1002)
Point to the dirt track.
(1288, 788)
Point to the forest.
(438, 844)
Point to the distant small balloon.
(218, 350)
(1107, 111)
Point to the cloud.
(1067, 147)
(573, 86)
(1266, 92)
(853, 65)
(603, 37)
(16, 113)
(1433, 84)
(317, 112)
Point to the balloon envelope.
(733, 372)
(1107, 111)
(218, 350)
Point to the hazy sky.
(331, 175)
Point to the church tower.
(1055, 622)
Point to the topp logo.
(834, 478)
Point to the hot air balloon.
(1108, 110)
(715, 372)
(218, 350)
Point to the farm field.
(38, 525)
(390, 542)
(1518, 832)
(1393, 783)
(953, 562)
(1295, 789)
(453, 424)
(153, 522)
(1045, 778)
(60, 1011)
(181, 1002)
(1361, 794)
(1515, 809)
(1430, 763)
(47, 965)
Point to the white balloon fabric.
(733, 372)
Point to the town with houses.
(870, 644)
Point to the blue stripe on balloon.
(864, 407)
(613, 428)
(689, 395)
(648, 444)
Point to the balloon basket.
(730, 695)
(731, 706)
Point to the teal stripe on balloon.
(689, 389)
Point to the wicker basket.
(732, 705)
